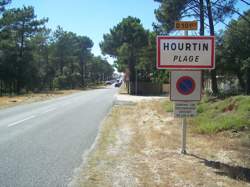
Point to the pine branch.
(225, 24)
(187, 9)
(233, 10)
(188, 15)
(244, 1)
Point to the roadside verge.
(139, 145)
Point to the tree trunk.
(82, 70)
(61, 64)
(85, 72)
(18, 84)
(50, 84)
(1, 87)
(19, 71)
(241, 80)
(6, 87)
(46, 78)
(211, 27)
(202, 33)
(201, 18)
(248, 82)
(21, 49)
(132, 78)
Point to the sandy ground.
(8, 101)
(139, 145)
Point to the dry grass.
(139, 145)
(123, 89)
(7, 101)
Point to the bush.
(214, 116)
(168, 105)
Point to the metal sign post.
(184, 135)
(184, 125)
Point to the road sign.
(185, 85)
(186, 25)
(185, 52)
(184, 109)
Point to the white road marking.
(18, 122)
(49, 110)
(66, 103)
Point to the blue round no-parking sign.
(185, 85)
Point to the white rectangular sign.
(185, 52)
(184, 109)
(185, 85)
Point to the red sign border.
(159, 66)
(182, 99)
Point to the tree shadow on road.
(234, 172)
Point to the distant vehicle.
(118, 83)
(108, 82)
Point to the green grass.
(232, 113)
(168, 106)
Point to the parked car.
(118, 83)
(108, 82)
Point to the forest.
(35, 58)
(135, 48)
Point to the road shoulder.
(139, 145)
(10, 101)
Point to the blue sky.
(93, 18)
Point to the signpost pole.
(184, 135)
(184, 125)
(136, 82)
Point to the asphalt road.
(42, 143)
